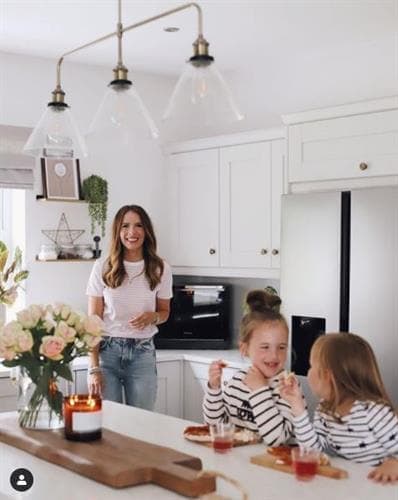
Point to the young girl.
(251, 398)
(355, 418)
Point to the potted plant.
(95, 192)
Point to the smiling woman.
(131, 291)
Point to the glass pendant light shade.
(56, 135)
(121, 113)
(202, 93)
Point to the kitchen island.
(54, 482)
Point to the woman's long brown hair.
(353, 368)
(114, 271)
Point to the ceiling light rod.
(201, 54)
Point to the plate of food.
(201, 434)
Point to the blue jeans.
(129, 366)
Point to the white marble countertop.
(51, 481)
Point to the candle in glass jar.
(83, 417)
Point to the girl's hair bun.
(263, 300)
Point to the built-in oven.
(200, 318)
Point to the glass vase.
(40, 403)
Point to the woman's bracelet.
(94, 369)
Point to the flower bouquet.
(42, 342)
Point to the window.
(12, 232)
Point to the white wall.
(133, 175)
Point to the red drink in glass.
(305, 463)
(222, 444)
(222, 435)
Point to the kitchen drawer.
(350, 147)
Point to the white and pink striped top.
(132, 297)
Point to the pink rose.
(91, 340)
(9, 333)
(52, 346)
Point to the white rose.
(37, 312)
(6, 352)
(10, 332)
(73, 319)
(93, 325)
(24, 341)
(66, 332)
(26, 319)
(65, 311)
(91, 340)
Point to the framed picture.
(61, 178)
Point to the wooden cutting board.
(115, 460)
(266, 460)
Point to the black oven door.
(199, 318)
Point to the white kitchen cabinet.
(251, 185)
(169, 397)
(193, 180)
(225, 206)
(356, 149)
(8, 394)
(195, 381)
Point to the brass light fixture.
(200, 88)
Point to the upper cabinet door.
(245, 205)
(349, 147)
(195, 208)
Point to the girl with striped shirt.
(251, 399)
(355, 418)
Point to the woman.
(131, 292)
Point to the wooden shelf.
(66, 260)
(40, 197)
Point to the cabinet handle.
(275, 251)
(263, 251)
(212, 251)
(363, 166)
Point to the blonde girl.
(251, 398)
(355, 418)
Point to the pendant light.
(201, 93)
(56, 134)
(122, 108)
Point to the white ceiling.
(243, 35)
(279, 56)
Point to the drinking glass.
(222, 435)
(305, 462)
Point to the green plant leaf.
(64, 371)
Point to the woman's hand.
(143, 320)
(291, 392)
(215, 373)
(387, 472)
(95, 383)
(254, 379)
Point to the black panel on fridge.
(305, 330)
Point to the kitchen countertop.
(51, 481)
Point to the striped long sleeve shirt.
(368, 434)
(262, 410)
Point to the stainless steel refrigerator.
(339, 272)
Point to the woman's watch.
(157, 319)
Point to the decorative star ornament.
(63, 235)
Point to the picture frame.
(61, 179)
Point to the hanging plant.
(95, 192)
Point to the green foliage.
(11, 277)
(95, 192)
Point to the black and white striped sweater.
(368, 434)
(262, 410)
